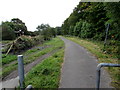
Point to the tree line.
(90, 20)
(13, 29)
(16, 27)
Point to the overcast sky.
(36, 12)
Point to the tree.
(47, 31)
(13, 29)
(86, 30)
(71, 32)
(58, 30)
(65, 27)
(7, 32)
(53, 32)
(86, 13)
(77, 28)
(19, 25)
(42, 27)
(113, 14)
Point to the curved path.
(79, 68)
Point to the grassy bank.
(47, 73)
(32, 54)
(9, 58)
(96, 48)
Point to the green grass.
(31, 51)
(54, 43)
(47, 73)
(7, 59)
(31, 55)
(36, 55)
(10, 58)
(6, 70)
(96, 48)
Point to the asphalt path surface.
(79, 68)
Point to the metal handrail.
(29, 87)
(99, 71)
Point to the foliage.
(65, 27)
(77, 29)
(7, 31)
(58, 30)
(71, 30)
(19, 26)
(113, 14)
(13, 29)
(86, 30)
(89, 20)
(47, 73)
(47, 31)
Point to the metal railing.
(99, 71)
(29, 87)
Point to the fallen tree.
(23, 43)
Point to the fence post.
(105, 41)
(21, 70)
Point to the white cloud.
(35, 12)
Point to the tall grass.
(47, 73)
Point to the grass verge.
(47, 73)
(96, 48)
(32, 54)
(9, 58)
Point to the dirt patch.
(30, 65)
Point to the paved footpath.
(79, 68)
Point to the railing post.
(98, 79)
(21, 71)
